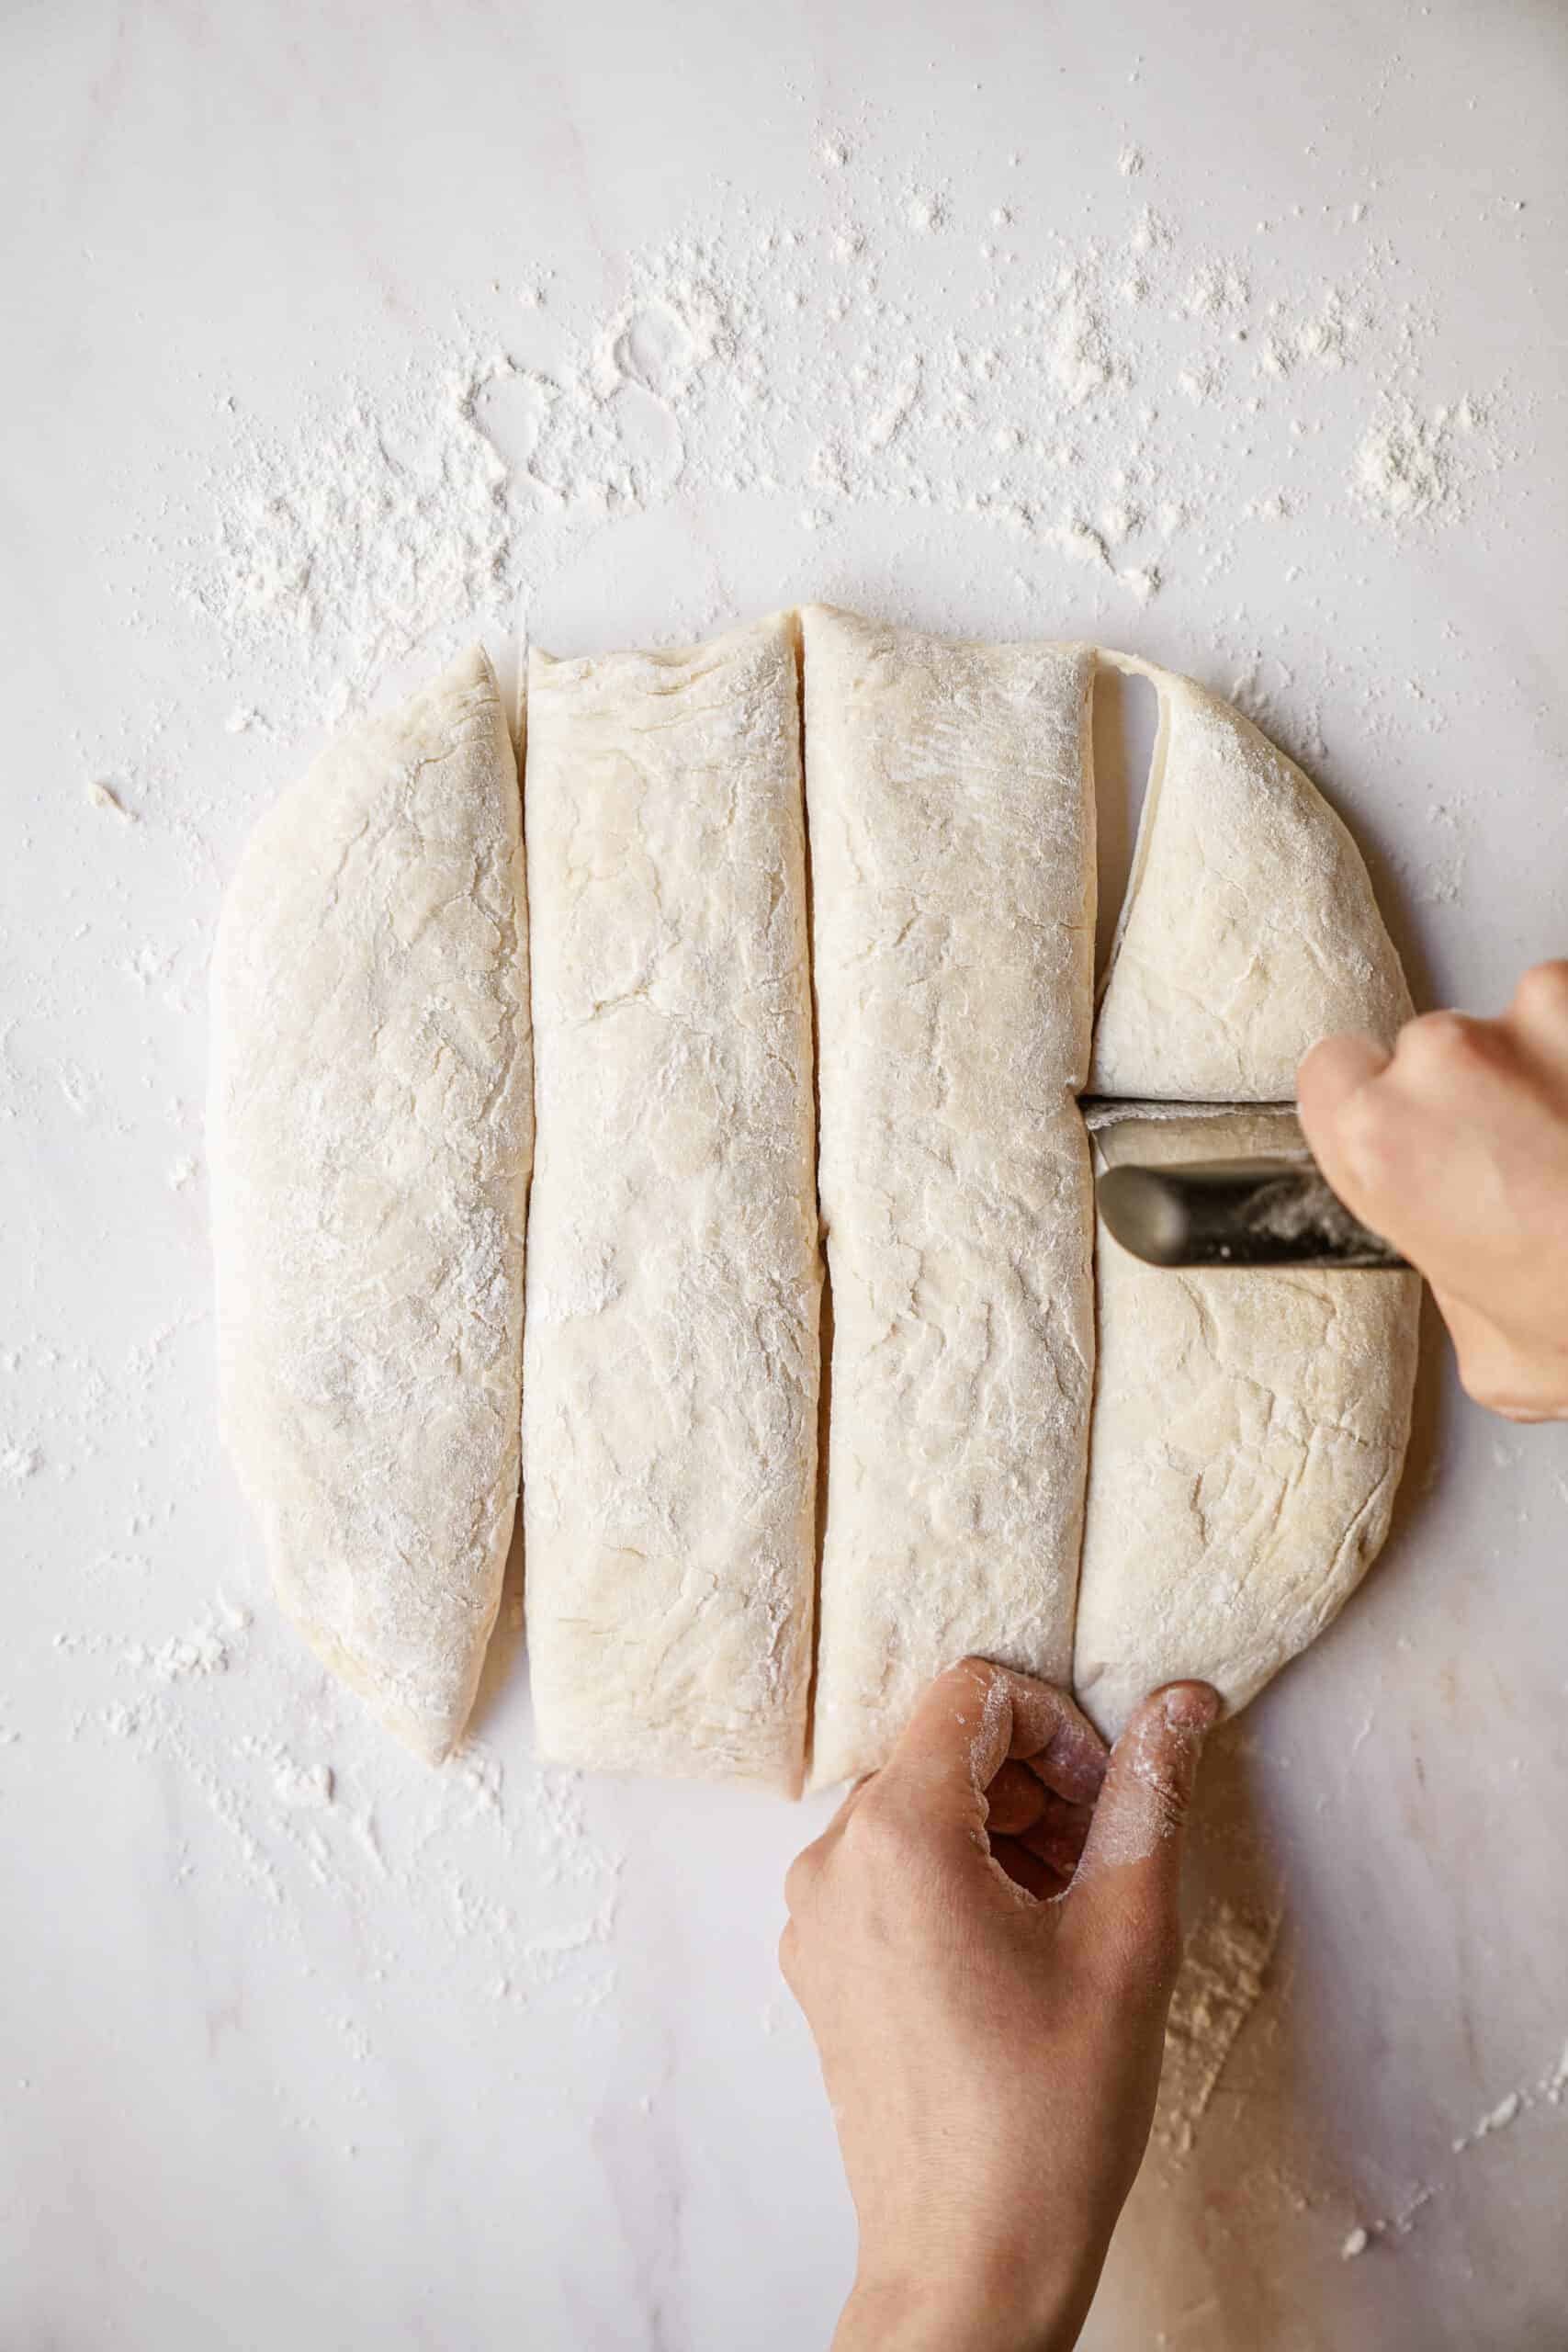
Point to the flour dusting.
(1223, 1977)
(19, 1462)
(517, 1897)
(1412, 466)
(1128, 400)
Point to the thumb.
(1126, 1893)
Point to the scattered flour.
(1223, 1977)
(201, 1651)
(206, 1648)
(1413, 465)
(515, 1895)
(1385, 2231)
(19, 1462)
(303, 1784)
(297, 1786)
(1496, 2118)
(1549, 2090)
(814, 365)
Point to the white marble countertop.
(1232, 337)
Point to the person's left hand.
(983, 1941)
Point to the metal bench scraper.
(1238, 1213)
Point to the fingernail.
(1191, 1707)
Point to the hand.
(984, 1941)
(1455, 1148)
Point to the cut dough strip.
(1250, 929)
(1249, 1429)
(953, 921)
(370, 1129)
(669, 1417)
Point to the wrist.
(998, 2307)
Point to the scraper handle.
(1238, 1213)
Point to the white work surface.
(1230, 334)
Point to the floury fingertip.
(1190, 1707)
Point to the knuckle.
(1442, 1042)
(873, 1826)
(800, 1878)
(1165, 1800)
(1171, 1801)
(974, 1678)
(1543, 990)
(882, 1837)
(1368, 1131)
(982, 1671)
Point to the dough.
(953, 889)
(371, 1134)
(670, 1420)
(370, 1130)
(1250, 929)
(1249, 1429)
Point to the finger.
(1015, 1800)
(969, 1723)
(803, 1870)
(1330, 1075)
(1060, 1835)
(1127, 1885)
(1336, 1069)
(1028, 1870)
(851, 1797)
(1539, 1014)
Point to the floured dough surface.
(669, 1417)
(370, 1129)
(1249, 1429)
(952, 844)
(1250, 929)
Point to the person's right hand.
(983, 1941)
(1455, 1148)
